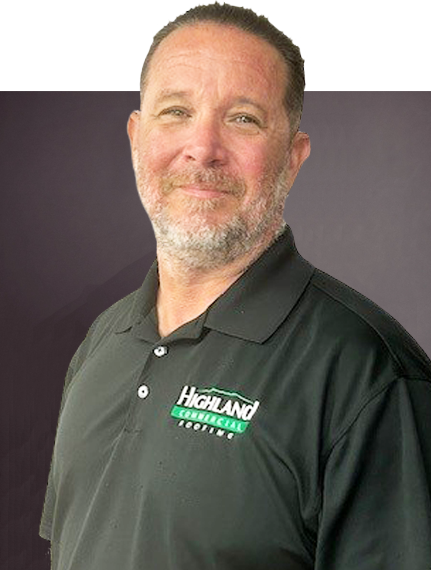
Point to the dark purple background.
(75, 239)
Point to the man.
(242, 410)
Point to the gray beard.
(213, 246)
(201, 245)
(206, 247)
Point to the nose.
(204, 145)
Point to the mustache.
(223, 182)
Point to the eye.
(176, 112)
(247, 123)
(245, 119)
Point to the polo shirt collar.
(252, 308)
(260, 300)
(144, 301)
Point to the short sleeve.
(376, 501)
(45, 527)
(49, 503)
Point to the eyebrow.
(251, 102)
(166, 94)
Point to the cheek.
(255, 168)
(259, 158)
(155, 152)
(250, 161)
(265, 175)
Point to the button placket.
(143, 391)
(142, 396)
(161, 351)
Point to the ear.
(133, 128)
(299, 152)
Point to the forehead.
(222, 51)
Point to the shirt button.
(161, 350)
(143, 391)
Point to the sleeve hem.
(45, 531)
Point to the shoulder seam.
(364, 404)
(365, 320)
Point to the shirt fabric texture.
(286, 428)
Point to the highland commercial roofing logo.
(214, 410)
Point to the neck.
(186, 292)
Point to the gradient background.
(75, 239)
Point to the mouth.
(203, 185)
(203, 191)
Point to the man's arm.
(376, 508)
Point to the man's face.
(211, 147)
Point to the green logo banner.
(210, 418)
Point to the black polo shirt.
(286, 428)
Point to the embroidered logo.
(221, 412)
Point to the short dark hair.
(247, 20)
